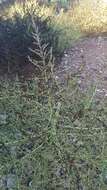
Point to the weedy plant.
(53, 141)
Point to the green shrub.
(16, 32)
(60, 144)
(16, 38)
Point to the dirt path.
(87, 59)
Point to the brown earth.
(87, 60)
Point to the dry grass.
(30, 7)
(90, 16)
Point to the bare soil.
(87, 60)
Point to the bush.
(16, 32)
(16, 38)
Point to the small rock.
(2, 182)
(13, 151)
(3, 117)
(66, 55)
(18, 135)
(79, 82)
(10, 181)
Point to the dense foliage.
(56, 144)
(16, 39)
(16, 28)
